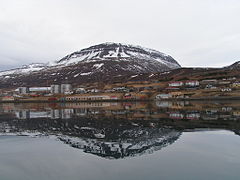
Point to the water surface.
(158, 140)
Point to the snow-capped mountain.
(120, 52)
(24, 69)
(93, 64)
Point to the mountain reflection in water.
(118, 130)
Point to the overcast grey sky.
(194, 32)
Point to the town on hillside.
(223, 88)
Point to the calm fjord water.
(158, 140)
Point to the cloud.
(196, 33)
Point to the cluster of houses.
(175, 89)
(65, 92)
(205, 84)
(178, 84)
(24, 92)
(141, 90)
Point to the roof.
(191, 81)
(175, 82)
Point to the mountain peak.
(93, 64)
(118, 51)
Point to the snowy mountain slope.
(26, 69)
(117, 52)
(93, 64)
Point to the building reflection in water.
(118, 130)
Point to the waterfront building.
(55, 89)
(66, 88)
(192, 83)
(40, 89)
(176, 84)
(23, 90)
(163, 96)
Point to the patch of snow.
(76, 75)
(87, 128)
(24, 70)
(84, 74)
(167, 72)
(98, 65)
(134, 76)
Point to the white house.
(192, 83)
(163, 96)
(176, 84)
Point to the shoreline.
(125, 100)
